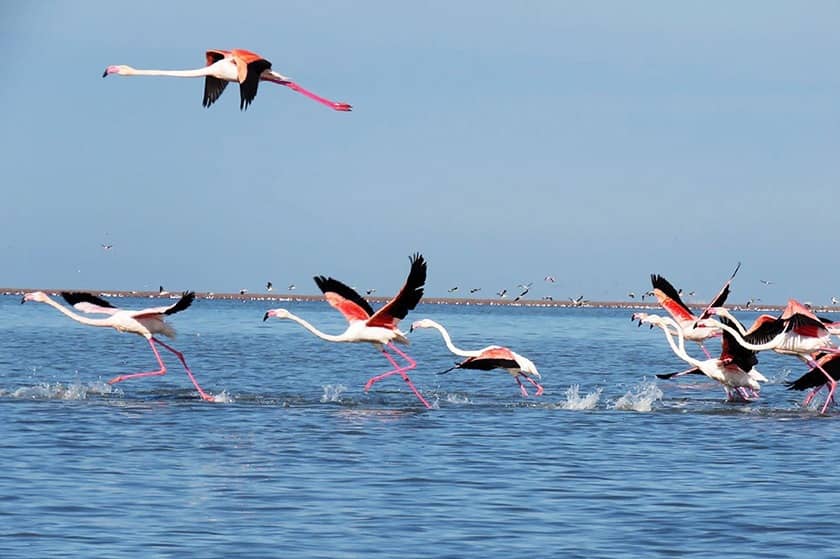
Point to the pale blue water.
(299, 462)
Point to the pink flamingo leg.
(400, 371)
(373, 380)
(538, 385)
(706, 351)
(161, 371)
(204, 396)
(331, 104)
(521, 387)
(811, 395)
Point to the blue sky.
(597, 142)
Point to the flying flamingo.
(223, 66)
(378, 328)
(815, 377)
(146, 323)
(489, 358)
(734, 369)
(670, 300)
(796, 332)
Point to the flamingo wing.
(815, 377)
(344, 299)
(722, 295)
(807, 325)
(733, 352)
(408, 297)
(183, 303)
(669, 298)
(692, 371)
(213, 87)
(88, 303)
(491, 358)
(248, 87)
(764, 329)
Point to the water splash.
(59, 391)
(458, 399)
(575, 402)
(639, 398)
(332, 392)
(223, 398)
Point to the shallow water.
(296, 460)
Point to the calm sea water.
(297, 461)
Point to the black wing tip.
(187, 298)
(75, 297)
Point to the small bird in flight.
(106, 247)
(550, 279)
(766, 282)
(475, 290)
(452, 289)
(502, 293)
(370, 291)
(292, 287)
(518, 297)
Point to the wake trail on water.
(60, 391)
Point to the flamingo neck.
(198, 73)
(679, 350)
(448, 341)
(78, 318)
(322, 335)
(772, 344)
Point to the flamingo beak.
(265, 316)
(23, 299)
(105, 73)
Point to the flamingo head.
(37, 296)
(121, 69)
(641, 317)
(424, 323)
(276, 313)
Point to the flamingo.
(145, 322)
(223, 66)
(734, 369)
(829, 363)
(489, 358)
(669, 299)
(796, 332)
(378, 328)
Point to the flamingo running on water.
(378, 328)
(734, 369)
(670, 300)
(145, 322)
(829, 363)
(797, 332)
(489, 358)
(223, 66)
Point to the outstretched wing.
(182, 304)
(88, 303)
(692, 371)
(815, 377)
(344, 299)
(722, 295)
(408, 297)
(213, 87)
(669, 298)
